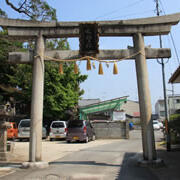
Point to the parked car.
(156, 125)
(159, 123)
(12, 132)
(24, 130)
(80, 130)
(58, 130)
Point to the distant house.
(132, 111)
(160, 108)
(175, 78)
(173, 102)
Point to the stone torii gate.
(137, 29)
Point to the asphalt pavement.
(115, 160)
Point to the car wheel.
(93, 138)
(13, 138)
(51, 139)
(68, 141)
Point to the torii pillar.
(149, 152)
(35, 150)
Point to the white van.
(58, 130)
(24, 130)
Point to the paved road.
(116, 160)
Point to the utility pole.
(172, 107)
(168, 144)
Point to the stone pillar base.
(40, 165)
(154, 163)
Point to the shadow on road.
(94, 163)
(130, 169)
(9, 164)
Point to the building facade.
(173, 103)
(132, 111)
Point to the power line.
(144, 12)
(171, 36)
(116, 10)
(172, 39)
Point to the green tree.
(61, 92)
(7, 89)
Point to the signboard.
(89, 39)
(119, 115)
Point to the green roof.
(113, 104)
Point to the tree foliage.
(2, 13)
(34, 9)
(7, 88)
(61, 92)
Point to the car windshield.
(155, 122)
(25, 123)
(58, 125)
(75, 123)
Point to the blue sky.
(109, 86)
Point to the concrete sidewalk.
(171, 170)
(168, 170)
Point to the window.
(57, 125)
(162, 113)
(75, 124)
(177, 101)
(162, 105)
(25, 123)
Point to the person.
(131, 126)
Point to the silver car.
(58, 130)
(24, 130)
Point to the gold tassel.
(61, 68)
(100, 69)
(93, 64)
(76, 68)
(88, 64)
(115, 68)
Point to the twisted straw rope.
(89, 58)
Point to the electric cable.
(116, 10)
(144, 12)
(171, 36)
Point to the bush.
(174, 117)
(175, 125)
